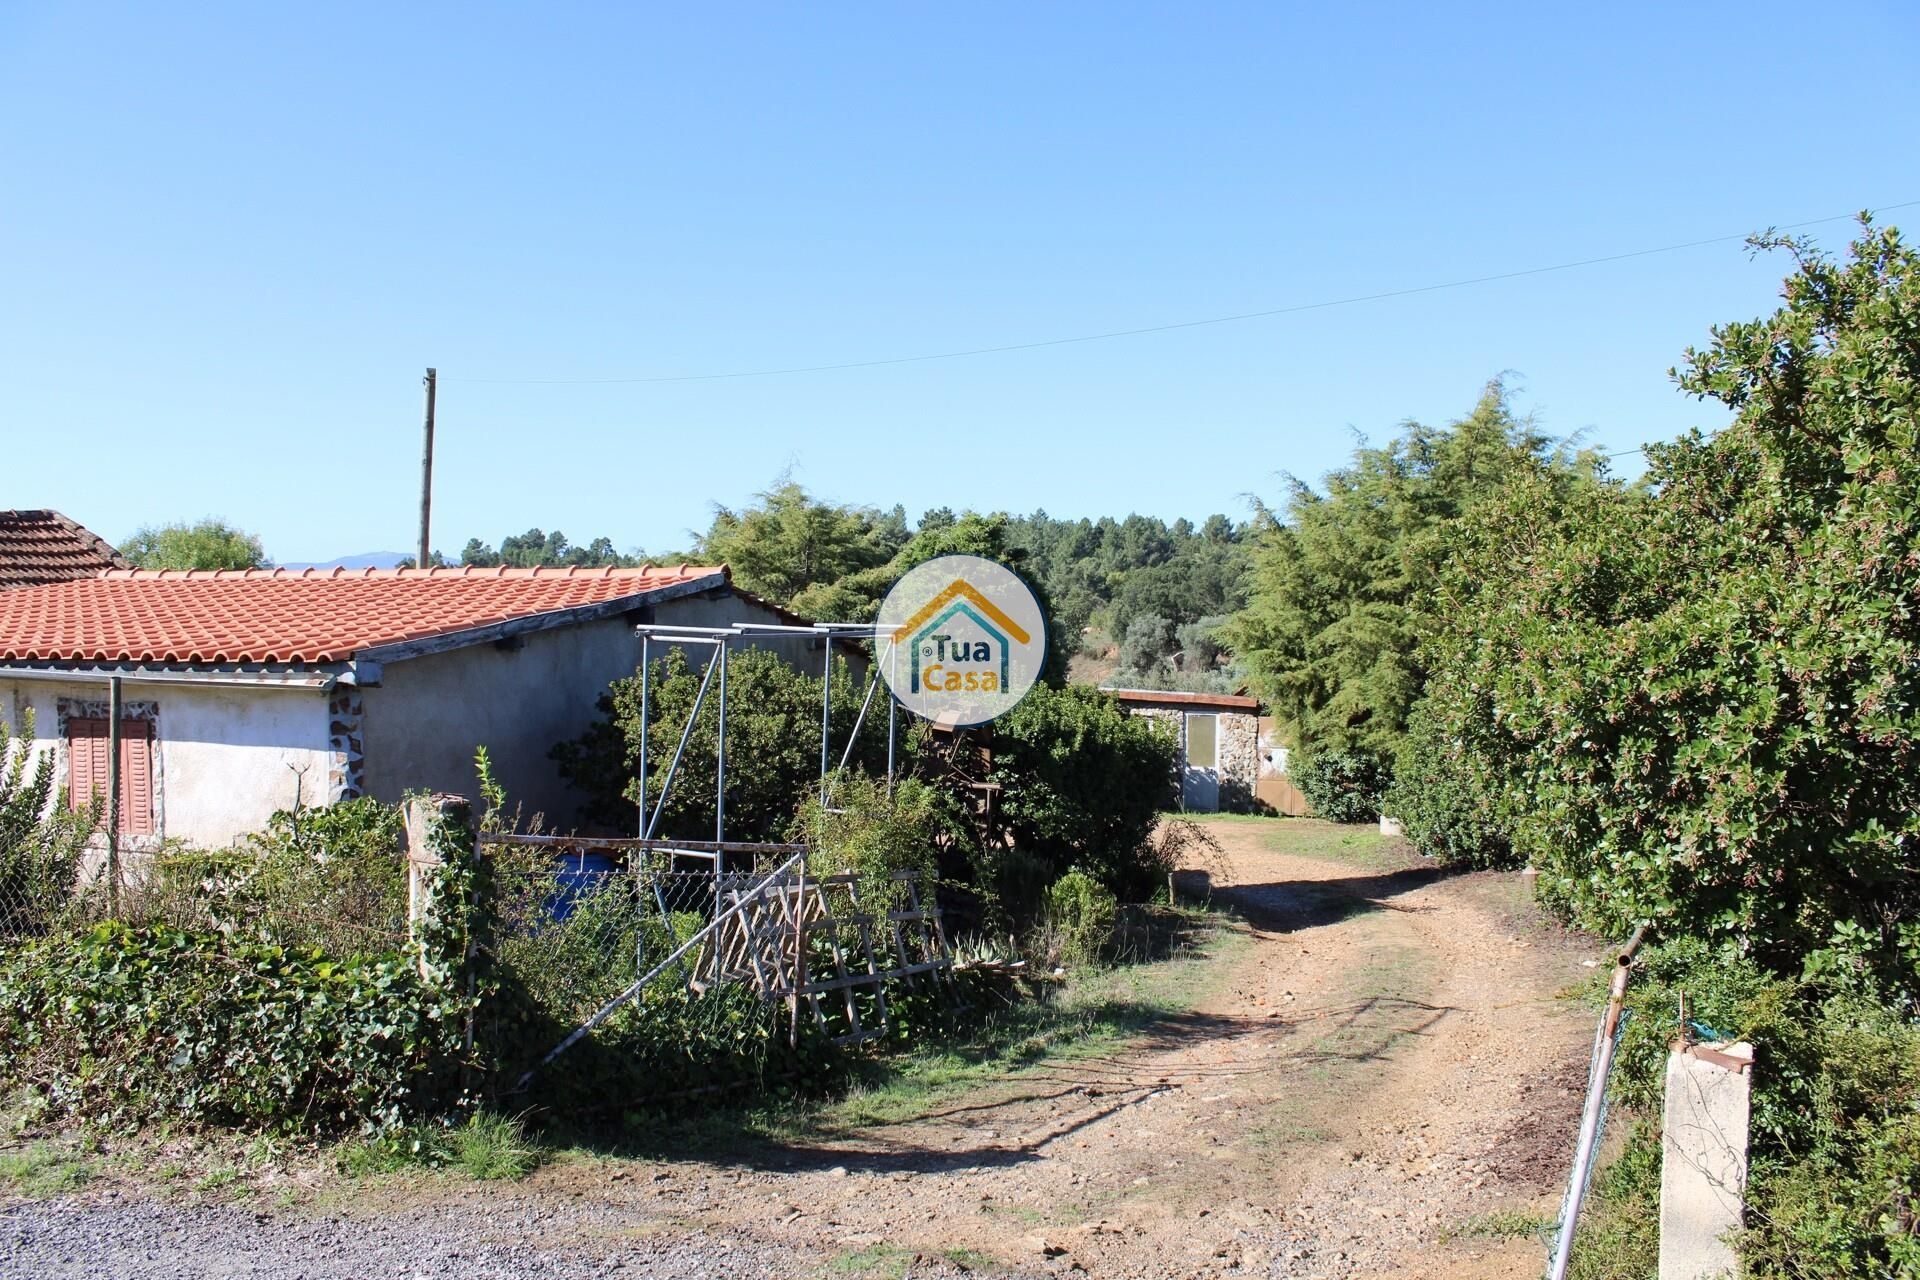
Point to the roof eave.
(377, 656)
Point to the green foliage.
(486, 1146)
(773, 742)
(122, 1025)
(1080, 917)
(1342, 786)
(875, 834)
(1701, 705)
(41, 843)
(789, 542)
(1109, 572)
(1081, 784)
(333, 877)
(1450, 811)
(205, 544)
(1340, 580)
(43, 1169)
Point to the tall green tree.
(202, 544)
(789, 541)
(1341, 578)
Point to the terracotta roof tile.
(292, 615)
(44, 546)
(1170, 697)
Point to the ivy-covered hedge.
(122, 1024)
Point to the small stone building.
(1219, 734)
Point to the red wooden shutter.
(88, 750)
(86, 761)
(136, 777)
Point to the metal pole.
(826, 712)
(426, 473)
(893, 710)
(1600, 1068)
(666, 783)
(720, 764)
(861, 719)
(646, 689)
(113, 792)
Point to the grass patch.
(880, 1261)
(44, 1169)
(1501, 1224)
(488, 1147)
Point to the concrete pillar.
(1703, 1166)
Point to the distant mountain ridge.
(365, 560)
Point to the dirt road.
(1378, 1071)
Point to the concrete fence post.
(1703, 1159)
(440, 867)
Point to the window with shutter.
(89, 747)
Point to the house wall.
(1237, 744)
(420, 726)
(224, 757)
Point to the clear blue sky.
(231, 237)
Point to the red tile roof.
(287, 615)
(1169, 697)
(45, 546)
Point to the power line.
(1168, 328)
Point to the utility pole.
(426, 473)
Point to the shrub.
(333, 877)
(1449, 811)
(1698, 698)
(122, 1025)
(41, 844)
(876, 834)
(1342, 786)
(1082, 783)
(1081, 913)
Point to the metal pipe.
(1601, 1066)
(634, 988)
(646, 690)
(115, 709)
(720, 757)
(666, 783)
(826, 713)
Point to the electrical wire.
(1176, 325)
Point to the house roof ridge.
(435, 572)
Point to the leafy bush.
(1342, 786)
(41, 844)
(875, 834)
(1080, 917)
(773, 745)
(123, 1025)
(1698, 701)
(1082, 783)
(1448, 809)
(333, 877)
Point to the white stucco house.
(245, 692)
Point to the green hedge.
(121, 1025)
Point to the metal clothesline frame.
(722, 640)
